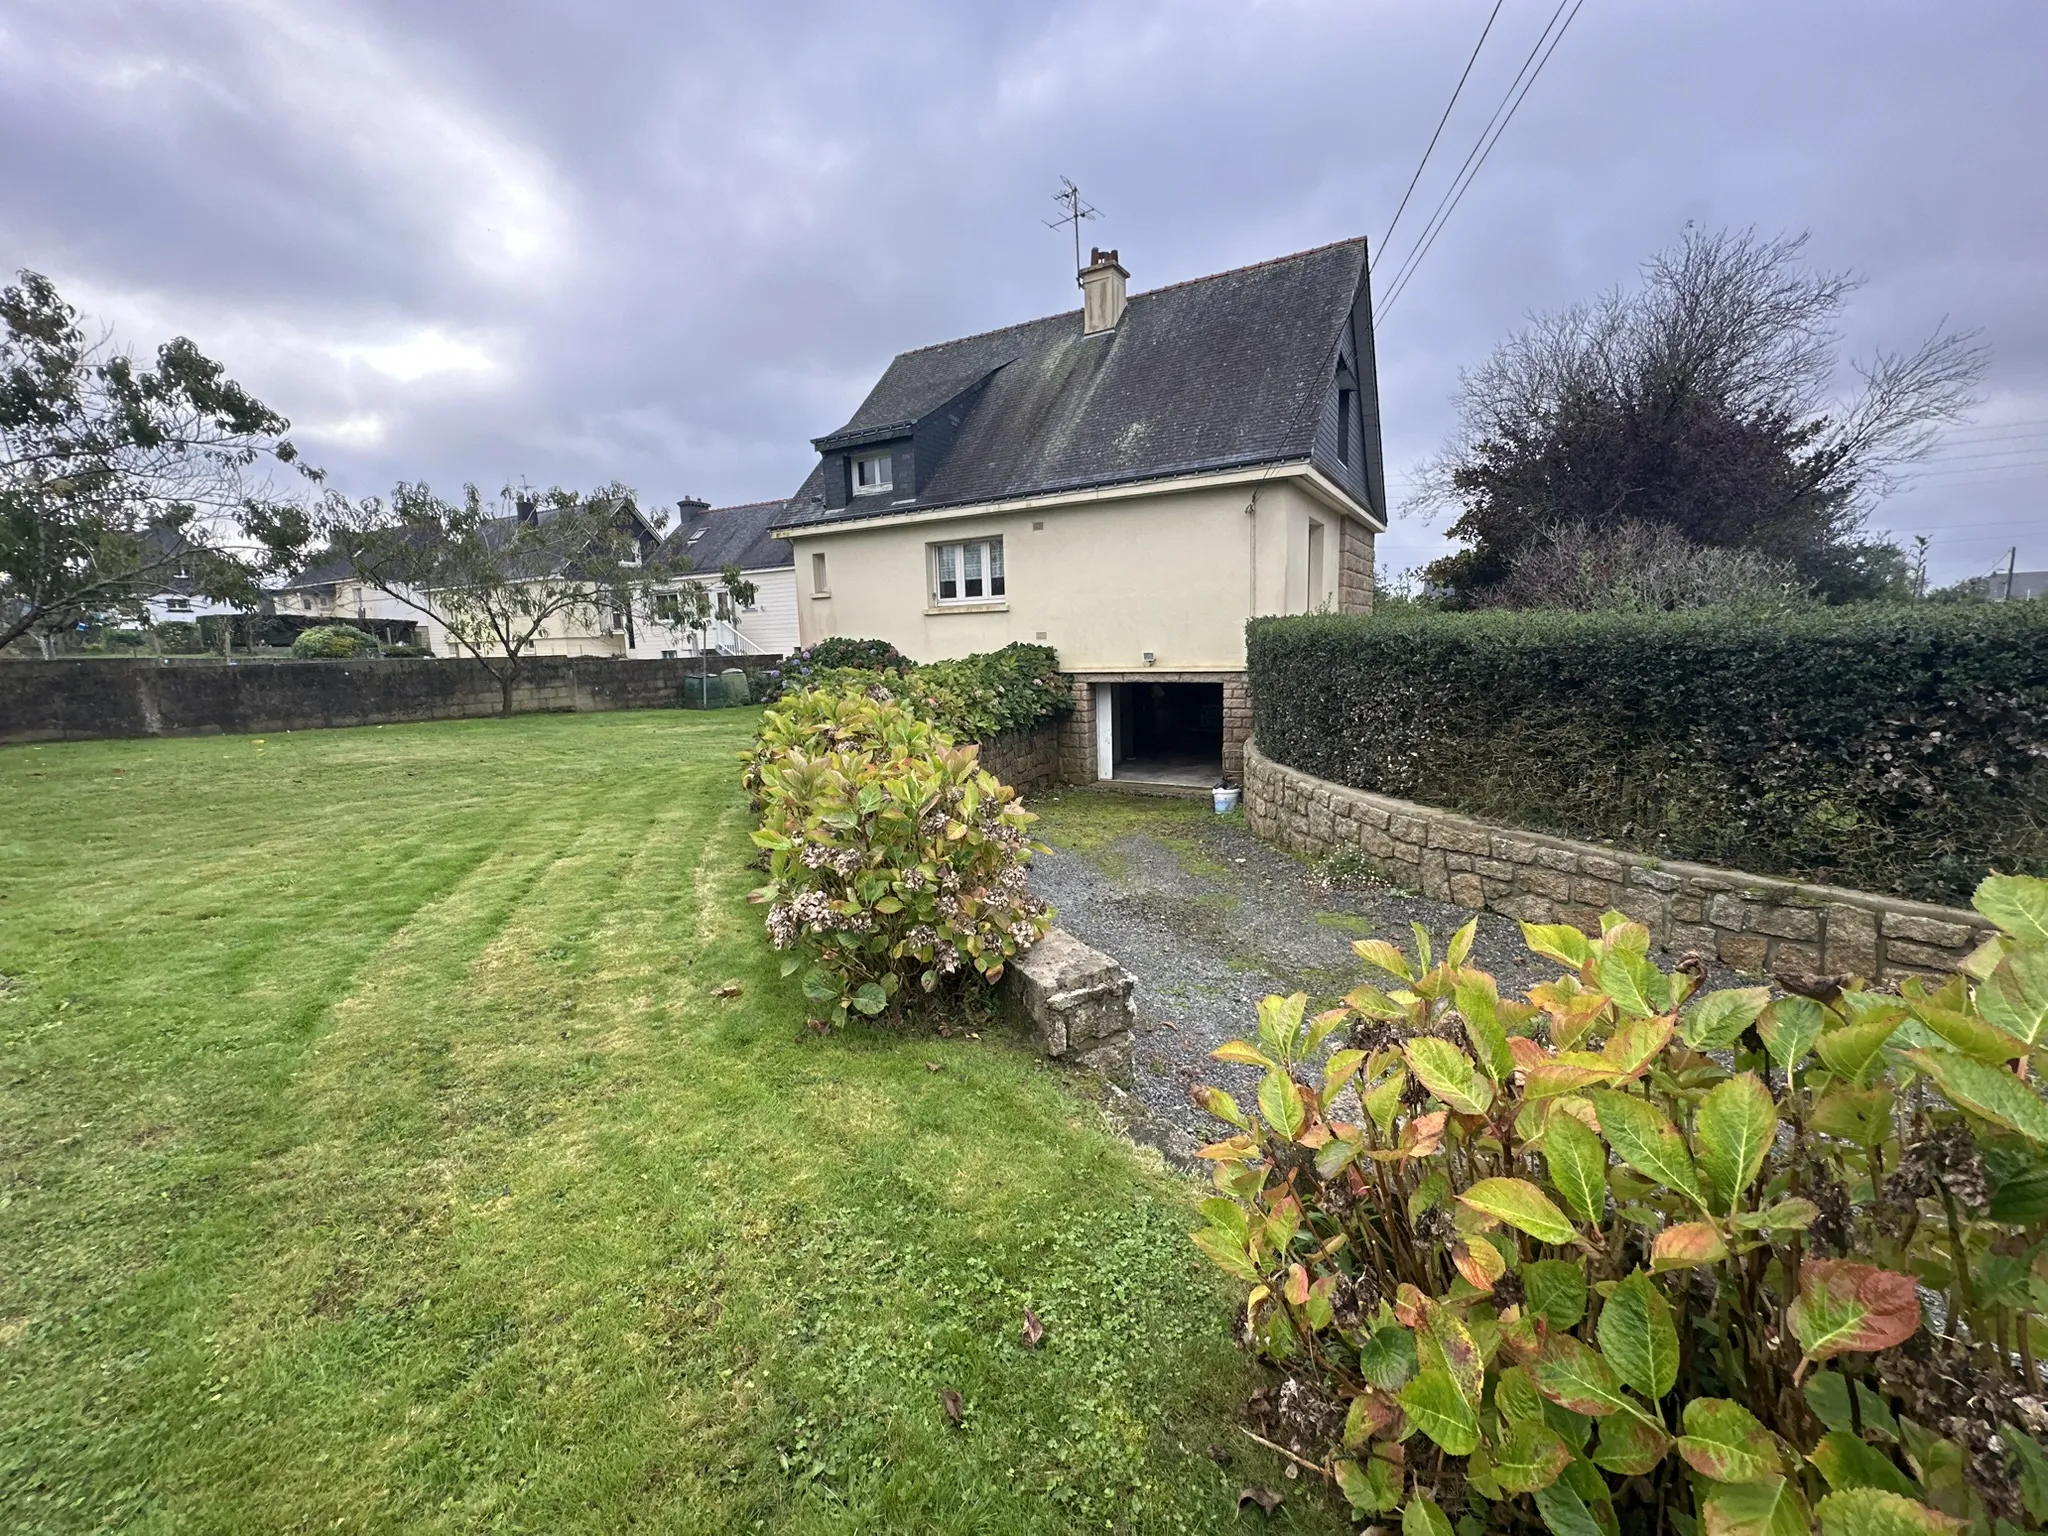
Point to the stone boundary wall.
(88, 700)
(1751, 922)
(1027, 759)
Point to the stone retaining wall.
(1751, 922)
(84, 700)
(1027, 759)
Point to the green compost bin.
(733, 683)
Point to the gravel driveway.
(1209, 920)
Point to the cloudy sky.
(670, 243)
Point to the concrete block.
(1744, 951)
(1928, 930)
(1077, 998)
(1899, 952)
(1469, 840)
(1786, 922)
(1791, 956)
(1850, 944)
(1725, 911)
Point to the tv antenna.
(1077, 208)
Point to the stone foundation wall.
(1751, 922)
(1025, 759)
(1354, 567)
(86, 700)
(1077, 730)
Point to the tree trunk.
(505, 693)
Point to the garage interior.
(1168, 733)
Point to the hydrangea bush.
(1625, 1255)
(895, 860)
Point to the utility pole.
(2012, 558)
(1069, 198)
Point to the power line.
(1430, 235)
(1426, 153)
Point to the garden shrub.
(896, 863)
(843, 651)
(972, 698)
(333, 642)
(1899, 748)
(1629, 1256)
(178, 637)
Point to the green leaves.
(1874, 1512)
(1629, 1446)
(1854, 1053)
(1556, 1289)
(1771, 1506)
(1724, 1441)
(1578, 1166)
(1281, 1103)
(1423, 1518)
(1558, 941)
(1843, 1305)
(1437, 1407)
(1638, 1337)
(1522, 1206)
(1717, 1019)
(2017, 904)
(1647, 1141)
(1448, 1073)
(1846, 1461)
(1529, 1456)
(1636, 986)
(1789, 1027)
(1387, 1358)
(1573, 1375)
(1736, 1123)
(1478, 1002)
(1989, 1092)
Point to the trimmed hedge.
(1890, 748)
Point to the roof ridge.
(1145, 293)
(745, 506)
(1251, 266)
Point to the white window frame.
(884, 466)
(958, 549)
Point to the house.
(329, 590)
(2013, 586)
(1128, 482)
(712, 539)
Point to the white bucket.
(1226, 800)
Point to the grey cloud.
(673, 243)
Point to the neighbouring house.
(1128, 482)
(328, 590)
(713, 539)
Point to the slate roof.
(1217, 373)
(733, 536)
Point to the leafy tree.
(495, 581)
(1702, 400)
(117, 477)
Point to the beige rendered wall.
(1103, 581)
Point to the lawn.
(377, 1152)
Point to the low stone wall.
(1027, 759)
(1078, 1002)
(83, 700)
(1751, 922)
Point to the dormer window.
(871, 474)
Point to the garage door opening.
(1169, 733)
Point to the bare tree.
(116, 477)
(1706, 400)
(496, 580)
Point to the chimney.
(689, 509)
(1102, 292)
(528, 511)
